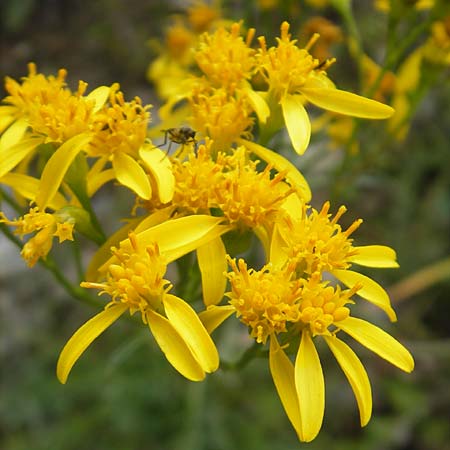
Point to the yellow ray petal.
(297, 122)
(83, 337)
(371, 290)
(97, 180)
(176, 237)
(160, 167)
(13, 135)
(356, 376)
(174, 347)
(11, 156)
(132, 175)
(293, 205)
(100, 96)
(27, 187)
(344, 102)
(310, 388)
(214, 315)
(185, 320)
(258, 103)
(281, 164)
(180, 236)
(155, 218)
(212, 263)
(7, 116)
(282, 371)
(278, 256)
(375, 256)
(380, 342)
(57, 166)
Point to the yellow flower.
(220, 116)
(201, 16)
(437, 47)
(225, 58)
(294, 77)
(46, 226)
(329, 32)
(278, 305)
(119, 137)
(134, 279)
(385, 5)
(42, 109)
(318, 244)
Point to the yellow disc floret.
(318, 242)
(265, 300)
(323, 305)
(136, 279)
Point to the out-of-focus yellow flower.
(202, 16)
(385, 5)
(175, 61)
(294, 77)
(46, 226)
(329, 32)
(437, 46)
(134, 279)
(267, 4)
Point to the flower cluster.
(221, 187)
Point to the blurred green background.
(123, 394)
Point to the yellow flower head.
(420, 5)
(265, 300)
(200, 16)
(49, 107)
(286, 68)
(294, 78)
(120, 127)
(196, 177)
(137, 280)
(329, 32)
(317, 242)
(232, 183)
(272, 301)
(276, 304)
(220, 116)
(179, 41)
(249, 197)
(225, 58)
(36, 87)
(437, 47)
(46, 226)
